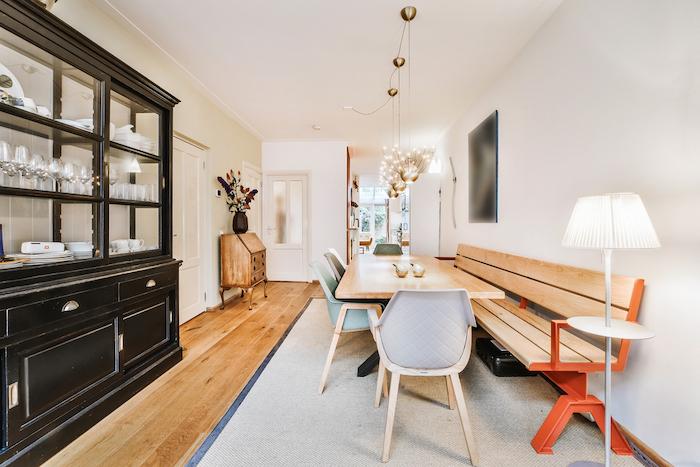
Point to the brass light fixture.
(402, 167)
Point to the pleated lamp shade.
(610, 221)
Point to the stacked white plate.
(43, 258)
(126, 136)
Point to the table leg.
(368, 365)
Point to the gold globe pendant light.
(402, 168)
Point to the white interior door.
(251, 177)
(188, 218)
(285, 227)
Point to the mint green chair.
(345, 316)
(388, 249)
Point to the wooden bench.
(542, 343)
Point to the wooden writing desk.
(372, 277)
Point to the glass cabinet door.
(133, 229)
(50, 160)
(46, 90)
(134, 125)
(134, 176)
(28, 224)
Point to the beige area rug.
(283, 420)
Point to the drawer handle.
(150, 283)
(71, 305)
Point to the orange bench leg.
(566, 406)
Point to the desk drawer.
(145, 284)
(64, 306)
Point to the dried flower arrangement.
(238, 197)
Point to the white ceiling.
(285, 65)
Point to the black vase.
(240, 222)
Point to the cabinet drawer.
(49, 377)
(258, 263)
(145, 328)
(258, 276)
(135, 287)
(65, 305)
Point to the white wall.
(604, 98)
(425, 215)
(325, 162)
(197, 116)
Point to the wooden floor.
(166, 422)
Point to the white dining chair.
(425, 333)
(345, 316)
(337, 255)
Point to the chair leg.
(331, 351)
(464, 417)
(450, 393)
(386, 384)
(390, 412)
(381, 384)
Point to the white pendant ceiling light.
(401, 167)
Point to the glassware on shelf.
(113, 175)
(134, 192)
(39, 172)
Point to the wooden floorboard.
(166, 422)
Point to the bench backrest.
(565, 290)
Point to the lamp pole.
(607, 257)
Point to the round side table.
(618, 329)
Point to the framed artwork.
(483, 171)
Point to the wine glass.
(37, 169)
(5, 155)
(21, 160)
(56, 169)
(6, 158)
(67, 177)
(85, 177)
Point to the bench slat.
(523, 349)
(565, 303)
(575, 343)
(581, 281)
(538, 337)
(588, 350)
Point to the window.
(373, 213)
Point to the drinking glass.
(56, 169)
(113, 175)
(21, 160)
(68, 172)
(151, 193)
(85, 177)
(5, 155)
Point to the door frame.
(248, 166)
(206, 231)
(306, 228)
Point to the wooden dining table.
(373, 277)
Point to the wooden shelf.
(57, 195)
(129, 202)
(36, 125)
(137, 152)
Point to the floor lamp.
(609, 222)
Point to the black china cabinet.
(88, 284)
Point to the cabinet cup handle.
(71, 305)
(150, 283)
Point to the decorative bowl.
(401, 269)
(418, 270)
